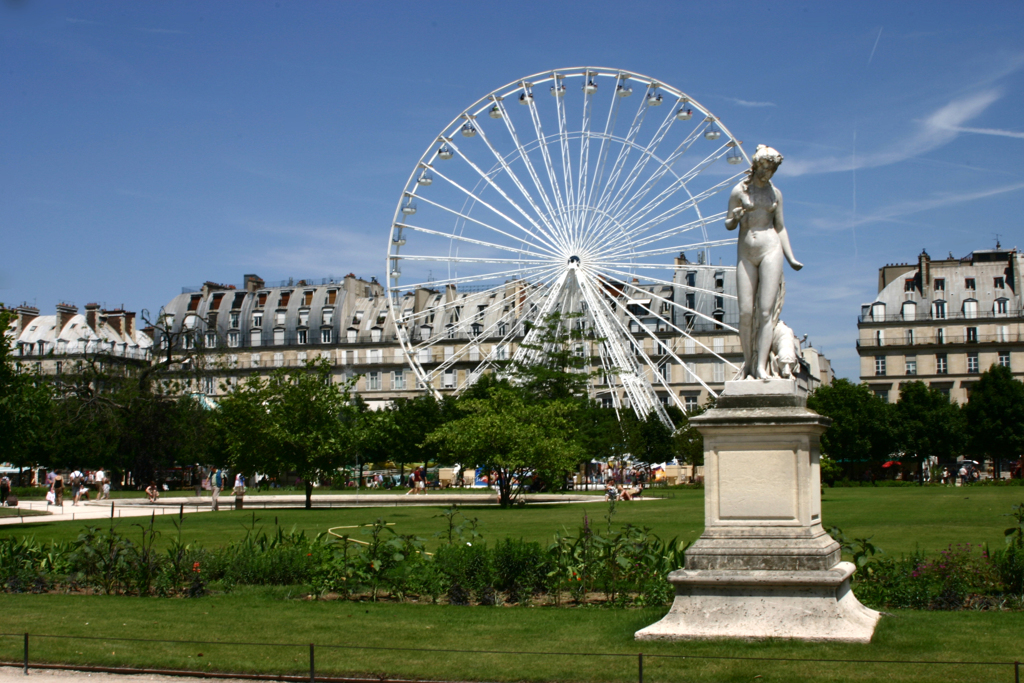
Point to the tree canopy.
(995, 416)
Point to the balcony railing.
(929, 318)
(948, 340)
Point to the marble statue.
(755, 205)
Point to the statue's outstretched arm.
(780, 227)
(736, 208)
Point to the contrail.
(877, 38)
(989, 131)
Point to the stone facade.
(943, 322)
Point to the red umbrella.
(891, 463)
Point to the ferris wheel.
(575, 191)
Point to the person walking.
(76, 486)
(102, 488)
(5, 489)
(58, 489)
(197, 480)
(216, 483)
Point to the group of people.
(82, 484)
(417, 481)
(615, 491)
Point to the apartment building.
(51, 344)
(257, 327)
(943, 322)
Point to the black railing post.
(640, 663)
(312, 669)
(26, 654)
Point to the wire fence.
(1004, 670)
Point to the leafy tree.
(648, 439)
(556, 365)
(927, 424)
(513, 437)
(689, 443)
(25, 402)
(398, 433)
(861, 428)
(995, 416)
(292, 420)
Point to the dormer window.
(216, 300)
(908, 285)
(285, 298)
(257, 320)
(193, 303)
(352, 334)
(969, 284)
(307, 298)
(719, 280)
(279, 317)
(999, 283)
(328, 316)
(261, 299)
(233, 320)
(691, 279)
(940, 284)
(375, 334)
(303, 318)
(358, 317)
(332, 295)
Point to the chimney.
(252, 282)
(26, 314)
(115, 318)
(65, 312)
(924, 267)
(91, 315)
(129, 323)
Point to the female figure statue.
(755, 205)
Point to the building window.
(278, 337)
(970, 308)
(254, 360)
(256, 338)
(719, 302)
(326, 336)
(328, 316)
(665, 370)
(881, 393)
(910, 337)
(450, 331)
(501, 352)
(909, 310)
(719, 371)
(940, 284)
(301, 356)
(302, 337)
(908, 285)
(718, 344)
(969, 284)
(911, 365)
(351, 335)
(940, 336)
(373, 381)
(972, 335)
(449, 379)
(303, 318)
(279, 317)
(879, 338)
(398, 379)
(1004, 359)
(939, 309)
(940, 364)
(691, 279)
(879, 365)
(1003, 333)
(375, 334)
(233, 319)
(211, 340)
(689, 403)
(690, 375)
(207, 385)
(1001, 307)
(944, 391)
(278, 360)
(233, 339)
(423, 356)
(257, 320)
(998, 283)
(449, 352)
(376, 355)
(502, 329)
(972, 363)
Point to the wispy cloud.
(877, 38)
(940, 128)
(76, 20)
(917, 206)
(991, 131)
(747, 103)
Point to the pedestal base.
(806, 605)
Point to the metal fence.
(1003, 669)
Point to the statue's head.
(766, 160)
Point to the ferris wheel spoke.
(623, 155)
(552, 177)
(641, 162)
(563, 138)
(633, 230)
(464, 216)
(488, 205)
(528, 162)
(658, 344)
(662, 251)
(486, 177)
(643, 390)
(680, 184)
(464, 259)
(688, 311)
(680, 229)
(602, 155)
(430, 284)
(584, 165)
(469, 240)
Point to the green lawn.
(253, 616)
(17, 512)
(898, 519)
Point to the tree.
(555, 365)
(861, 428)
(927, 424)
(399, 432)
(514, 437)
(649, 440)
(995, 416)
(293, 420)
(25, 403)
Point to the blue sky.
(149, 146)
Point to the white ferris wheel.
(576, 191)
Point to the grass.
(18, 512)
(899, 520)
(261, 616)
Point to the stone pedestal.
(764, 566)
